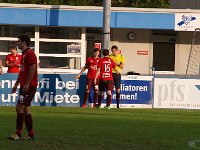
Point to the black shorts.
(107, 85)
(90, 83)
(117, 80)
(26, 98)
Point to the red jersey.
(106, 65)
(28, 58)
(16, 60)
(92, 66)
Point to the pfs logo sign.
(177, 93)
(198, 87)
(186, 20)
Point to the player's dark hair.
(95, 50)
(12, 47)
(114, 47)
(25, 38)
(105, 52)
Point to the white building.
(63, 36)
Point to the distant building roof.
(185, 4)
(87, 16)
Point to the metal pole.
(106, 24)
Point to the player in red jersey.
(91, 65)
(28, 79)
(106, 82)
(13, 60)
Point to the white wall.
(133, 61)
(183, 45)
(143, 41)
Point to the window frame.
(37, 41)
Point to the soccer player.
(104, 68)
(28, 79)
(119, 61)
(91, 65)
(13, 60)
(1, 67)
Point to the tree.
(115, 3)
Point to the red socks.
(99, 100)
(29, 125)
(19, 123)
(95, 98)
(109, 98)
(85, 97)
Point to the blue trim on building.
(23, 16)
(145, 20)
(74, 18)
(77, 18)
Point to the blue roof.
(145, 20)
(85, 18)
(23, 16)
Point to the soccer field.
(60, 128)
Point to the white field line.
(192, 144)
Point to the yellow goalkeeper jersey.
(119, 59)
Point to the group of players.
(103, 74)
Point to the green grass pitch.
(59, 128)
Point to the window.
(4, 46)
(60, 47)
(164, 56)
(61, 62)
(14, 31)
(60, 32)
(55, 47)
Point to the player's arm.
(7, 64)
(96, 76)
(121, 65)
(31, 73)
(117, 71)
(16, 84)
(115, 67)
(82, 70)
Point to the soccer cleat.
(14, 137)
(28, 138)
(94, 106)
(108, 107)
(84, 106)
(99, 107)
